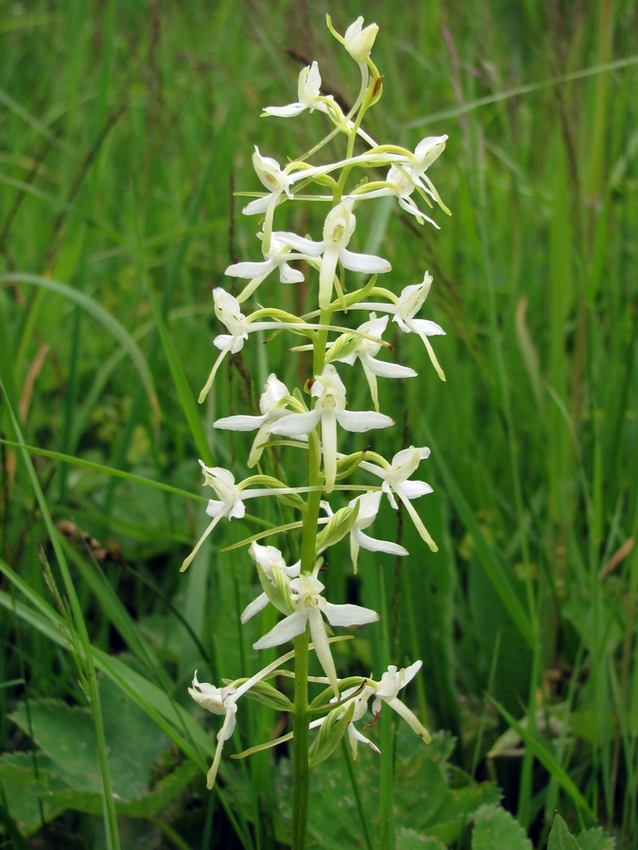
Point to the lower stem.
(300, 744)
(301, 716)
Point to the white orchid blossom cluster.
(314, 420)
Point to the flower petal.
(239, 423)
(296, 424)
(366, 263)
(359, 421)
(348, 615)
(289, 111)
(254, 607)
(285, 630)
(374, 545)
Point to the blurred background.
(125, 130)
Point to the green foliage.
(494, 827)
(125, 129)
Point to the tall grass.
(125, 130)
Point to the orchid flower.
(272, 405)
(309, 96)
(278, 256)
(395, 477)
(230, 503)
(403, 311)
(337, 232)
(309, 606)
(272, 567)
(224, 701)
(385, 691)
(329, 409)
(228, 311)
(218, 701)
(366, 351)
(404, 177)
(274, 179)
(368, 509)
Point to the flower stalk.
(313, 418)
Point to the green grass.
(125, 129)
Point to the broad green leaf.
(408, 839)
(146, 806)
(19, 783)
(560, 838)
(494, 827)
(67, 735)
(595, 839)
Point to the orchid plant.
(310, 419)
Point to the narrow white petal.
(418, 523)
(187, 561)
(289, 111)
(254, 607)
(289, 275)
(414, 489)
(410, 718)
(409, 206)
(389, 370)
(258, 206)
(285, 630)
(374, 545)
(356, 736)
(363, 420)
(367, 263)
(248, 271)
(300, 243)
(239, 423)
(425, 327)
(349, 615)
(296, 424)
(326, 274)
(322, 647)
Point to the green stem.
(301, 738)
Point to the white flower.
(228, 311)
(366, 351)
(358, 41)
(218, 701)
(386, 691)
(309, 606)
(368, 510)
(408, 175)
(403, 311)
(271, 563)
(337, 232)
(274, 179)
(230, 502)
(278, 256)
(395, 482)
(309, 94)
(329, 409)
(272, 407)
(224, 701)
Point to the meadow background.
(125, 129)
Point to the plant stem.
(300, 726)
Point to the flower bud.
(359, 41)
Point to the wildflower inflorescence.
(312, 418)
